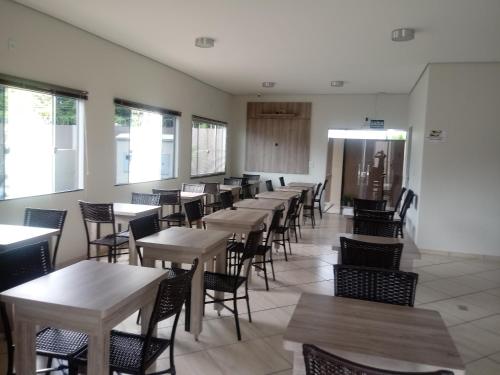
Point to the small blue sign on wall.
(376, 124)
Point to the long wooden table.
(124, 212)
(234, 189)
(90, 297)
(380, 335)
(183, 245)
(269, 206)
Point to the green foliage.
(122, 115)
(65, 111)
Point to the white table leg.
(133, 258)
(220, 267)
(197, 301)
(98, 354)
(25, 353)
(299, 367)
(349, 225)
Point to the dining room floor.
(465, 290)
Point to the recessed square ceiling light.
(268, 85)
(204, 42)
(337, 83)
(402, 35)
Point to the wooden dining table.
(182, 245)
(234, 189)
(268, 206)
(391, 337)
(13, 236)
(90, 297)
(124, 212)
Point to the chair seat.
(222, 283)
(109, 241)
(262, 250)
(125, 351)
(125, 233)
(177, 216)
(60, 343)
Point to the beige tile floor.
(465, 291)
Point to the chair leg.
(295, 233)
(49, 365)
(248, 305)
(187, 313)
(110, 255)
(265, 271)
(300, 231)
(284, 246)
(236, 318)
(289, 244)
(320, 211)
(138, 320)
(10, 360)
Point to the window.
(145, 142)
(41, 138)
(208, 147)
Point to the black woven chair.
(146, 199)
(375, 227)
(309, 208)
(375, 284)
(295, 219)
(17, 267)
(213, 200)
(132, 353)
(374, 214)
(235, 181)
(318, 199)
(367, 254)
(400, 199)
(194, 212)
(265, 250)
(369, 204)
(269, 185)
(102, 214)
(226, 199)
(38, 217)
(320, 362)
(171, 199)
(253, 178)
(232, 280)
(193, 188)
(410, 195)
(284, 230)
(282, 181)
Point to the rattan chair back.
(147, 199)
(193, 188)
(367, 254)
(226, 199)
(194, 211)
(375, 227)
(269, 185)
(145, 226)
(369, 204)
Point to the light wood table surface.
(124, 212)
(310, 185)
(234, 189)
(269, 206)
(410, 250)
(183, 245)
(380, 335)
(284, 196)
(187, 196)
(12, 236)
(90, 297)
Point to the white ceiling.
(300, 44)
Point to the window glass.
(208, 154)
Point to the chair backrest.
(323, 189)
(369, 204)
(147, 199)
(38, 217)
(282, 181)
(275, 222)
(194, 211)
(269, 185)
(145, 226)
(169, 197)
(251, 245)
(98, 213)
(252, 177)
(246, 191)
(292, 211)
(374, 214)
(172, 294)
(410, 195)
(316, 192)
(320, 362)
(367, 254)
(375, 284)
(193, 188)
(400, 198)
(226, 199)
(375, 227)
(211, 187)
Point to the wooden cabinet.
(278, 137)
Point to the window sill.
(145, 182)
(208, 175)
(41, 195)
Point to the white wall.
(52, 51)
(328, 112)
(459, 208)
(417, 121)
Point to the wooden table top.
(409, 246)
(229, 187)
(266, 204)
(376, 334)
(236, 217)
(297, 189)
(96, 288)
(190, 195)
(132, 209)
(12, 236)
(185, 239)
(283, 195)
(303, 184)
